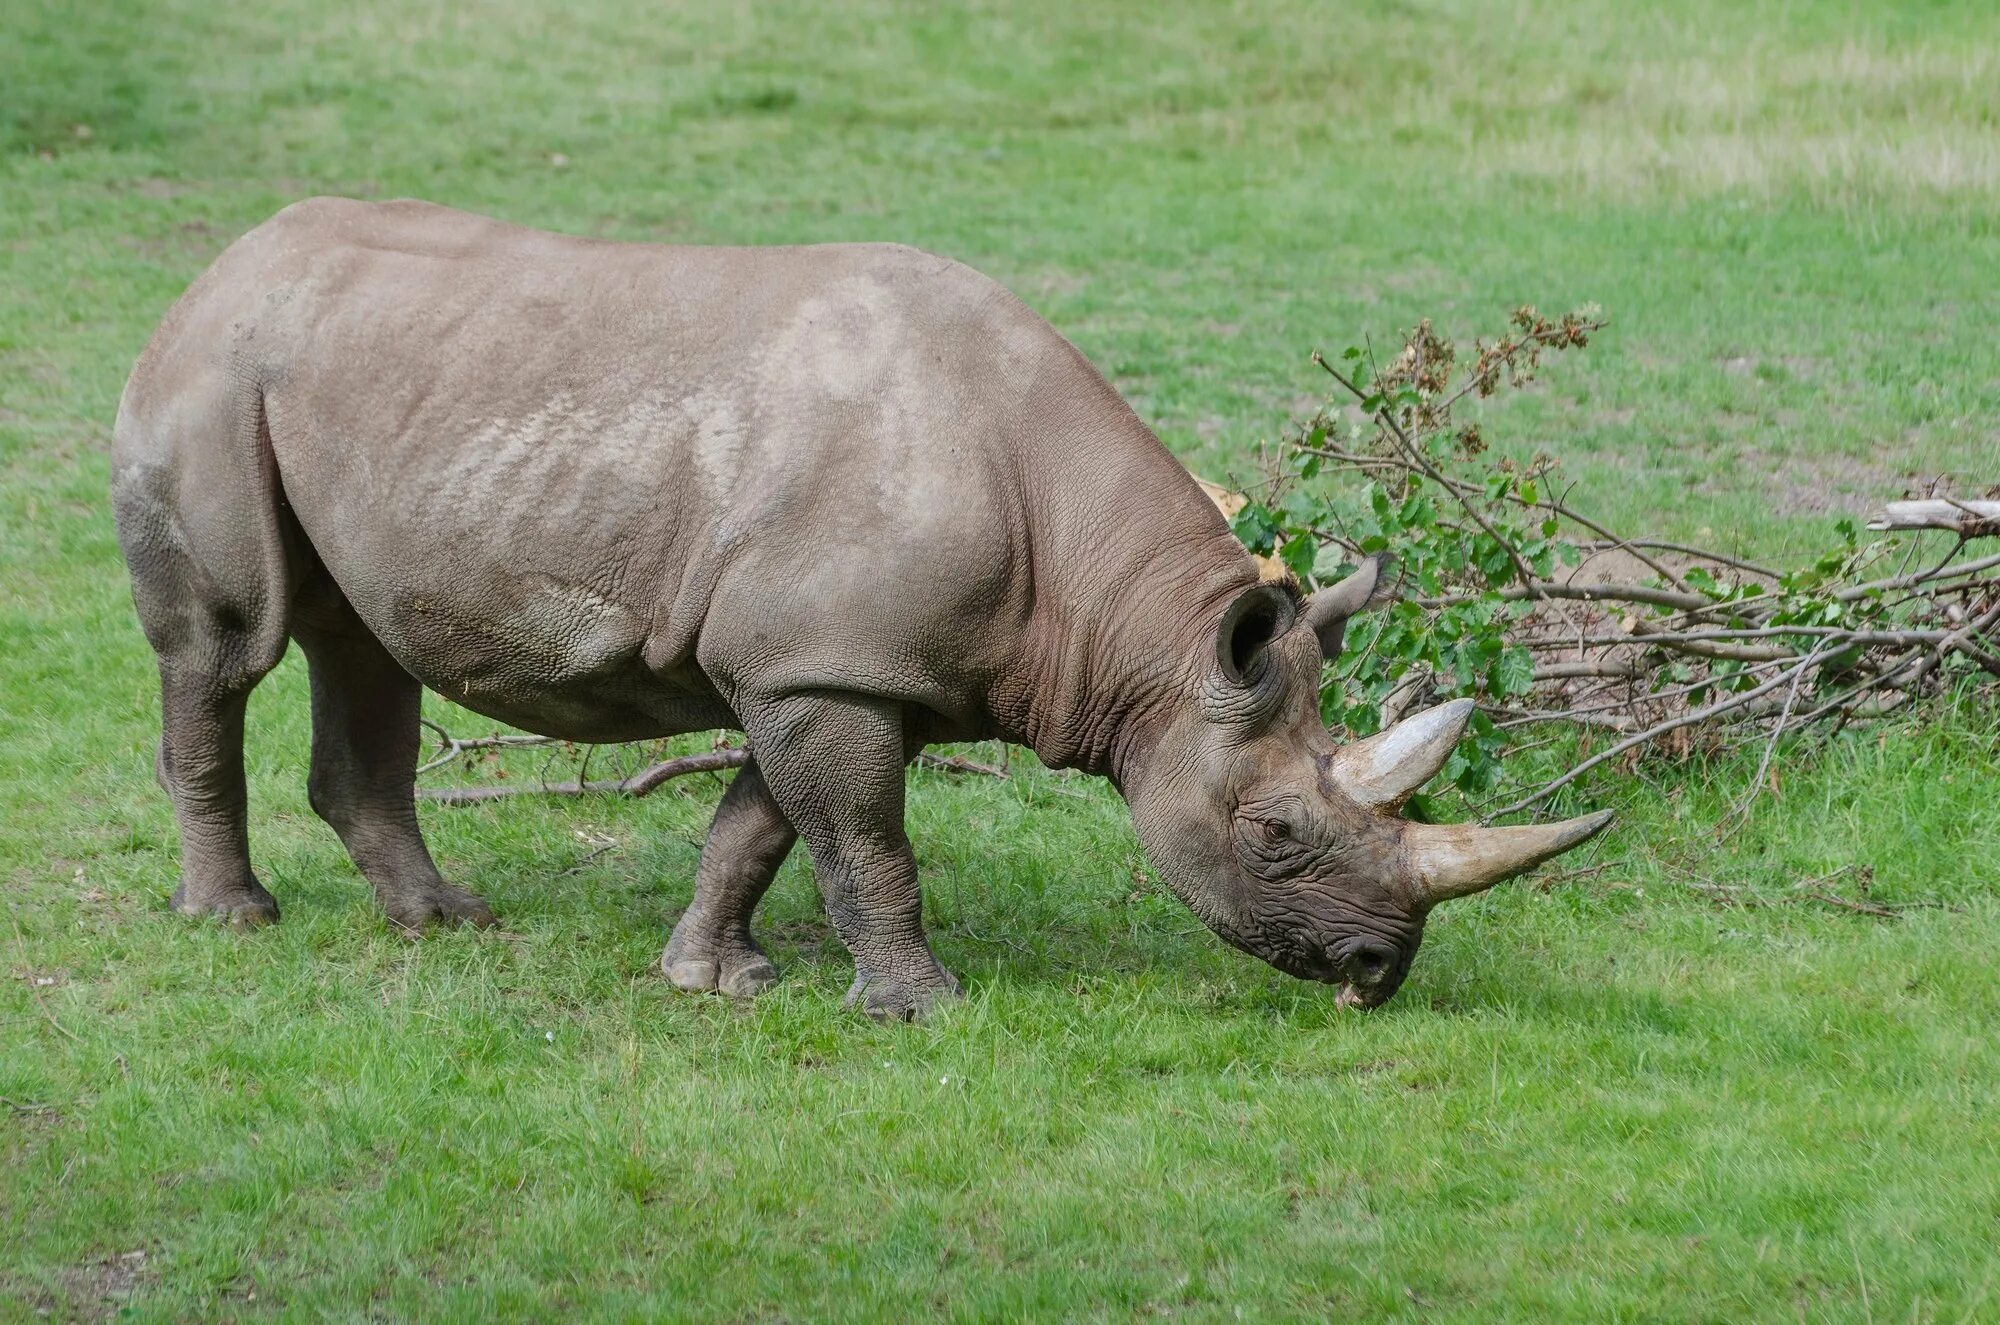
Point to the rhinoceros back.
(602, 488)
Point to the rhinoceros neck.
(1132, 568)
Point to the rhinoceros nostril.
(1372, 961)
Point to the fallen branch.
(643, 783)
(960, 764)
(1654, 732)
(452, 747)
(1967, 519)
(28, 1108)
(1875, 909)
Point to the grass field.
(1602, 1100)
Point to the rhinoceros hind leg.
(711, 948)
(364, 761)
(201, 762)
(200, 532)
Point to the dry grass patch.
(1838, 123)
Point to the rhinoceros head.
(1291, 846)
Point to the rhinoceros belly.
(551, 657)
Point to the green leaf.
(1298, 553)
(1257, 527)
(1514, 674)
(1493, 561)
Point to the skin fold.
(848, 499)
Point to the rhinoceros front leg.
(834, 766)
(711, 948)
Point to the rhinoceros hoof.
(244, 906)
(418, 909)
(892, 998)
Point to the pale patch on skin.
(570, 630)
(841, 344)
(719, 445)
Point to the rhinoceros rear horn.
(1384, 770)
(1448, 860)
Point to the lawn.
(1599, 1098)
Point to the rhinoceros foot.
(737, 968)
(244, 906)
(415, 909)
(901, 997)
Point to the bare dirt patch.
(1815, 485)
(183, 240)
(1054, 280)
(97, 1289)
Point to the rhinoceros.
(848, 499)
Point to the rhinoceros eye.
(1275, 830)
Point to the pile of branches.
(1551, 618)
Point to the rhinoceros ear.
(1327, 611)
(1259, 615)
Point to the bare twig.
(1777, 730)
(1875, 909)
(451, 747)
(1651, 733)
(26, 1108)
(959, 764)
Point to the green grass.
(1604, 1100)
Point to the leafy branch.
(1513, 595)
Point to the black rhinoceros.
(848, 498)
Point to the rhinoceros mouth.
(1349, 992)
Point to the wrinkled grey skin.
(849, 499)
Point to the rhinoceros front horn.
(1448, 860)
(1451, 860)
